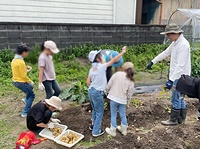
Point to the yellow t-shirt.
(19, 71)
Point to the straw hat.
(172, 28)
(54, 102)
(127, 65)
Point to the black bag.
(189, 86)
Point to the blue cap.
(114, 54)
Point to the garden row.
(70, 69)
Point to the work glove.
(55, 120)
(169, 84)
(31, 83)
(28, 68)
(50, 125)
(150, 65)
(41, 87)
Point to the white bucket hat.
(54, 102)
(49, 44)
(92, 55)
(172, 28)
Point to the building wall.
(68, 11)
(125, 11)
(11, 34)
(169, 6)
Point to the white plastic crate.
(58, 139)
(46, 133)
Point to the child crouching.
(120, 88)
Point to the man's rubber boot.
(111, 131)
(122, 129)
(174, 116)
(183, 114)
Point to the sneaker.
(97, 135)
(23, 115)
(24, 101)
(91, 127)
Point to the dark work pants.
(51, 86)
(109, 73)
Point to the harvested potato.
(70, 138)
(56, 131)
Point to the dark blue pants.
(51, 86)
(30, 96)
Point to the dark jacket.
(189, 86)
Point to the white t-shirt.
(98, 76)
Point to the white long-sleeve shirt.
(180, 62)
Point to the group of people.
(119, 86)
(40, 114)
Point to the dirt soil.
(145, 130)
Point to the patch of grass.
(7, 140)
(188, 144)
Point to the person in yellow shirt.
(20, 78)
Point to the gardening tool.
(38, 141)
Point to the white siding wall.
(125, 11)
(59, 11)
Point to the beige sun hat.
(55, 102)
(172, 28)
(127, 65)
(49, 44)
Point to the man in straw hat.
(40, 114)
(180, 63)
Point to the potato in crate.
(53, 132)
(69, 138)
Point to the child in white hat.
(120, 88)
(97, 83)
(40, 114)
(47, 76)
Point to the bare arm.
(88, 80)
(115, 59)
(42, 125)
(41, 71)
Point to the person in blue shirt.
(107, 55)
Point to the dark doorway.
(148, 9)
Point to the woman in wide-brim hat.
(40, 114)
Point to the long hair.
(42, 46)
(97, 58)
(130, 74)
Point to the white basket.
(58, 139)
(46, 133)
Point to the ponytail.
(42, 46)
(130, 74)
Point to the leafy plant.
(78, 92)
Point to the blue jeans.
(50, 86)
(177, 99)
(114, 107)
(97, 103)
(30, 96)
